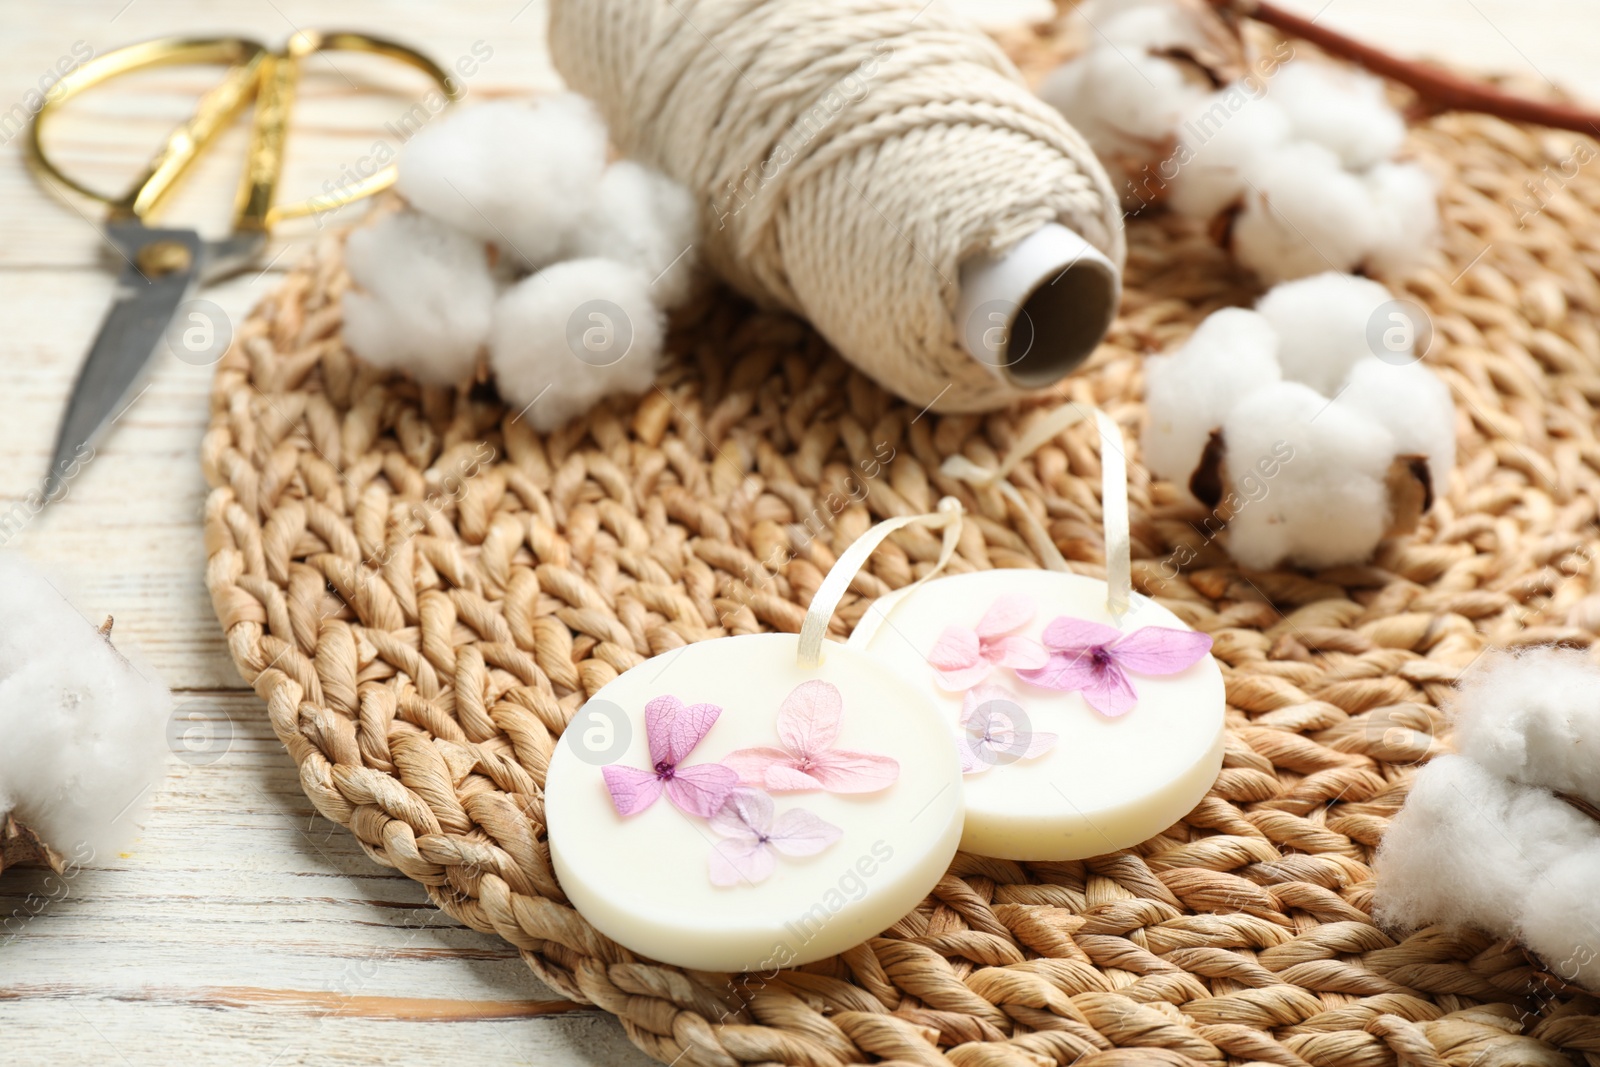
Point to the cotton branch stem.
(1438, 87)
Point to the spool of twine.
(852, 157)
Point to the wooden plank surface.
(240, 927)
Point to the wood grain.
(240, 927)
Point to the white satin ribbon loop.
(1113, 496)
(845, 569)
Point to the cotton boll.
(1219, 141)
(1144, 26)
(1340, 109)
(516, 174)
(644, 218)
(1327, 504)
(1469, 845)
(1189, 394)
(1534, 717)
(1405, 204)
(84, 729)
(1560, 919)
(1322, 326)
(1126, 104)
(1303, 213)
(572, 334)
(1414, 405)
(427, 297)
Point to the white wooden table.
(240, 927)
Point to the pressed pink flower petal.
(1110, 693)
(977, 697)
(954, 681)
(853, 772)
(1037, 745)
(971, 761)
(1067, 633)
(701, 789)
(787, 778)
(802, 833)
(808, 721)
(1006, 614)
(1160, 650)
(1018, 653)
(746, 813)
(736, 861)
(632, 790)
(1065, 671)
(956, 648)
(751, 764)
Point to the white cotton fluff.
(571, 334)
(84, 730)
(1328, 505)
(1414, 405)
(1126, 104)
(1471, 848)
(1322, 324)
(1341, 109)
(1140, 26)
(1303, 213)
(1189, 393)
(1219, 142)
(1405, 206)
(644, 218)
(516, 174)
(425, 300)
(1534, 717)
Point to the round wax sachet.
(722, 808)
(1017, 660)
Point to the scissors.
(162, 265)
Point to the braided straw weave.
(423, 592)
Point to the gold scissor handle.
(254, 73)
(216, 111)
(278, 75)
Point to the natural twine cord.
(421, 629)
(853, 154)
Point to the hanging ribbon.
(1113, 496)
(844, 571)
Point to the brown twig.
(1438, 87)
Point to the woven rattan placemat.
(424, 591)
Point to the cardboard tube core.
(1035, 313)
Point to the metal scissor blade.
(159, 274)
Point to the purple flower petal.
(632, 790)
(808, 721)
(688, 727)
(1110, 692)
(1069, 634)
(734, 861)
(1066, 671)
(802, 833)
(659, 716)
(701, 789)
(1160, 650)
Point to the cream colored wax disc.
(646, 880)
(1108, 782)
